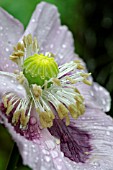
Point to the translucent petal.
(10, 32)
(42, 153)
(52, 37)
(100, 126)
(95, 96)
(10, 84)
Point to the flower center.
(39, 68)
(49, 88)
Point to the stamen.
(22, 113)
(21, 78)
(56, 81)
(37, 91)
(30, 45)
(45, 84)
(49, 54)
(61, 109)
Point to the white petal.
(44, 154)
(10, 32)
(52, 37)
(10, 84)
(95, 96)
(40, 154)
(100, 126)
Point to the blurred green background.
(91, 23)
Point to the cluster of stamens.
(50, 89)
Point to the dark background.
(91, 23)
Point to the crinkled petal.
(52, 37)
(10, 32)
(100, 126)
(43, 153)
(10, 84)
(40, 154)
(95, 96)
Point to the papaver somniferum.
(47, 102)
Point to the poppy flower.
(47, 102)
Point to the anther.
(37, 90)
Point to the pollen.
(37, 90)
(46, 119)
(62, 111)
(16, 117)
(50, 88)
(24, 119)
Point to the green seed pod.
(38, 68)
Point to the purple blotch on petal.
(32, 130)
(74, 143)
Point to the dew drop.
(103, 101)
(92, 93)
(19, 87)
(7, 49)
(25, 153)
(33, 20)
(47, 158)
(64, 46)
(50, 144)
(51, 46)
(33, 121)
(6, 65)
(59, 167)
(1, 28)
(60, 56)
(54, 154)
(45, 152)
(108, 133)
(110, 127)
(4, 84)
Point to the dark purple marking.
(74, 143)
(31, 132)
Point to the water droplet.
(1, 28)
(108, 133)
(54, 154)
(47, 158)
(33, 20)
(33, 121)
(51, 46)
(7, 49)
(25, 153)
(110, 127)
(45, 152)
(12, 81)
(25, 145)
(92, 93)
(64, 46)
(19, 87)
(50, 144)
(58, 32)
(4, 84)
(103, 101)
(60, 56)
(6, 65)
